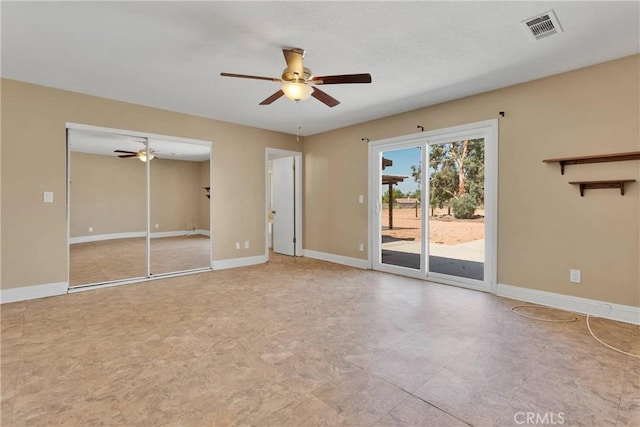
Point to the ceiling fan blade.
(342, 79)
(324, 97)
(294, 57)
(124, 156)
(272, 98)
(127, 152)
(245, 76)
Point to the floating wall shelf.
(599, 158)
(589, 185)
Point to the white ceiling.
(170, 54)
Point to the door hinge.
(294, 240)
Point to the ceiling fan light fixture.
(297, 91)
(142, 155)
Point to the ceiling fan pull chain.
(298, 121)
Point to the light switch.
(361, 198)
(47, 197)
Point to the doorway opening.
(283, 202)
(433, 208)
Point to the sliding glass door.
(179, 214)
(456, 208)
(400, 215)
(107, 208)
(434, 209)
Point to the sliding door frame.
(488, 130)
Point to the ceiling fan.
(299, 83)
(140, 154)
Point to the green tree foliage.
(396, 195)
(455, 169)
(416, 173)
(442, 177)
(464, 206)
(474, 166)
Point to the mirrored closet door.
(138, 206)
(179, 196)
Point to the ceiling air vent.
(543, 25)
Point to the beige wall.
(110, 195)
(176, 193)
(544, 226)
(204, 203)
(34, 234)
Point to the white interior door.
(282, 176)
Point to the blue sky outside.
(403, 159)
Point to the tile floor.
(300, 342)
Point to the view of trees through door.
(456, 208)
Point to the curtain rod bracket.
(501, 113)
(365, 139)
(421, 128)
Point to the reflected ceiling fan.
(140, 154)
(299, 83)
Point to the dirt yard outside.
(443, 229)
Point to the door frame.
(147, 135)
(276, 153)
(487, 129)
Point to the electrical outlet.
(361, 247)
(47, 197)
(157, 225)
(90, 229)
(361, 198)
(237, 245)
(575, 276)
(246, 244)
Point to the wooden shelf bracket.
(590, 185)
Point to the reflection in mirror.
(179, 197)
(122, 187)
(107, 211)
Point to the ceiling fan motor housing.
(290, 76)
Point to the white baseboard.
(239, 262)
(176, 233)
(111, 236)
(337, 259)
(133, 234)
(33, 292)
(608, 310)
